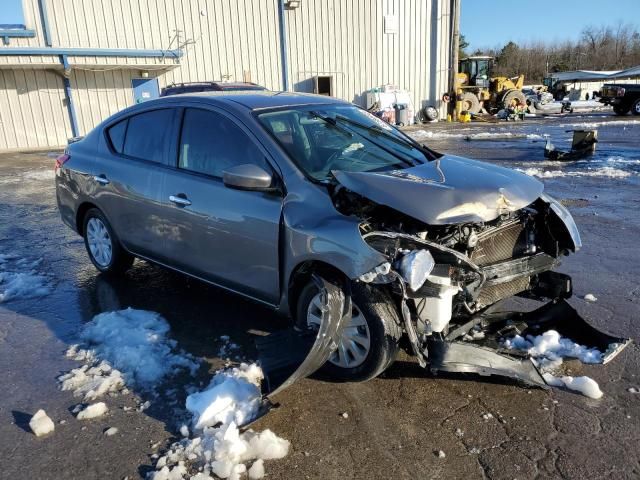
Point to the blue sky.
(11, 12)
(491, 23)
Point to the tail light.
(61, 160)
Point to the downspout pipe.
(44, 17)
(75, 131)
(283, 46)
(455, 47)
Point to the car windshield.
(324, 138)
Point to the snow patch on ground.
(41, 424)
(430, 134)
(548, 351)
(591, 125)
(609, 172)
(124, 347)
(232, 398)
(131, 347)
(19, 278)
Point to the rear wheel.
(103, 245)
(369, 343)
(621, 109)
(635, 109)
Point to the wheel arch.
(301, 275)
(83, 208)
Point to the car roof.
(262, 99)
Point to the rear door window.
(210, 143)
(148, 135)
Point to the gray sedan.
(320, 210)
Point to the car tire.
(377, 309)
(102, 244)
(620, 109)
(635, 108)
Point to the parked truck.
(622, 97)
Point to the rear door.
(227, 236)
(130, 172)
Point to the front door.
(224, 235)
(144, 89)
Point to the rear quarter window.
(148, 135)
(116, 135)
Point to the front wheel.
(103, 245)
(635, 109)
(369, 342)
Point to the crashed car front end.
(449, 280)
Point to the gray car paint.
(448, 190)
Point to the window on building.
(147, 135)
(210, 143)
(12, 14)
(116, 135)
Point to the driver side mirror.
(248, 176)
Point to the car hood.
(448, 190)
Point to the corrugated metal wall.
(32, 109)
(346, 40)
(234, 39)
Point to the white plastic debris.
(93, 411)
(41, 424)
(344, 415)
(633, 390)
(111, 431)
(487, 416)
(590, 297)
(415, 267)
(441, 454)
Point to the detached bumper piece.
(487, 357)
(289, 355)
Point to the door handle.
(101, 179)
(180, 200)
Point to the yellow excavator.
(476, 88)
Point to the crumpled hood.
(446, 191)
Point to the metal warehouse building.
(74, 63)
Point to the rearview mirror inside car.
(247, 177)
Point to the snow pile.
(41, 424)
(20, 279)
(549, 349)
(93, 411)
(231, 399)
(232, 396)
(590, 297)
(585, 385)
(125, 347)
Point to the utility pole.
(455, 47)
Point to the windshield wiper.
(334, 123)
